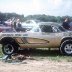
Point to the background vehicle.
(4, 28)
(45, 35)
(29, 24)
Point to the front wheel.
(66, 47)
(8, 49)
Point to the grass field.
(40, 54)
(1, 54)
(54, 55)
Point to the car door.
(50, 35)
(44, 37)
(34, 39)
(47, 35)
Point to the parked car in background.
(4, 28)
(8, 22)
(45, 35)
(29, 24)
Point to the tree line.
(43, 17)
(48, 18)
(6, 16)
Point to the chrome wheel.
(68, 48)
(8, 49)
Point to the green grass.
(41, 54)
(1, 54)
(54, 55)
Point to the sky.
(31, 7)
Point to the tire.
(66, 47)
(9, 48)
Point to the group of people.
(15, 24)
(67, 24)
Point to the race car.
(45, 35)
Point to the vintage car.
(45, 35)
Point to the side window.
(55, 29)
(46, 28)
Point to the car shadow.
(44, 53)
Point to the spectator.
(70, 26)
(17, 25)
(66, 24)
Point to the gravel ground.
(36, 66)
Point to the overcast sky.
(31, 7)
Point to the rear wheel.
(9, 48)
(66, 47)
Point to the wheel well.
(8, 39)
(68, 38)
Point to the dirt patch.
(41, 61)
(36, 66)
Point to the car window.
(55, 29)
(46, 28)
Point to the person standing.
(66, 24)
(17, 25)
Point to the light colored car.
(45, 35)
(29, 24)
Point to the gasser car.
(45, 35)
